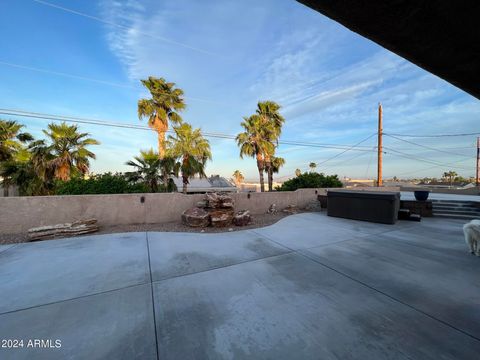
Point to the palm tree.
(312, 166)
(192, 148)
(238, 177)
(68, 149)
(277, 163)
(11, 139)
(270, 115)
(450, 175)
(147, 169)
(29, 170)
(11, 143)
(298, 172)
(253, 143)
(161, 108)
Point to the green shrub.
(310, 180)
(107, 183)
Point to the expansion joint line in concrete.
(389, 296)
(370, 287)
(153, 298)
(222, 267)
(74, 298)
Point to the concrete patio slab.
(112, 325)
(307, 230)
(43, 272)
(363, 291)
(436, 234)
(6, 247)
(175, 254)
(445, 284)
(289, 307)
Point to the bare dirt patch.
(258, 221)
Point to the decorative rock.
(290, 209)
(272, 209)
(242, 218)
(221, 217)
(61, 230)
(202, 204)
(219, 201)
(196, 217)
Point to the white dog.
(472, 236)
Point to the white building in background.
(210, 184)
(255, 187)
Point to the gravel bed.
(175, 226)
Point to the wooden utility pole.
(380, 150)
(477, 178)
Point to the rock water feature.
(215, 210)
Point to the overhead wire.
(425, 146)
(72, 119)
(111, 23)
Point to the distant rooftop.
(212, 183)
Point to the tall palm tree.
(312, 166)
(192, 148)
(298, 172)
(253, 143)
(11, 139)
(269, 112)
(238, 177)
(162, 108)
(68, 149)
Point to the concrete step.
(460, 208)
(452, 216)
(470, 205)
(457, 212)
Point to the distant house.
(210, 184)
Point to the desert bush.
(106, 183)
(310, 180)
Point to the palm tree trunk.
(161, 129)
(270, 178)
(269, 171)
(161, 144)
(261, 169)
(5, 189)
(185, 183)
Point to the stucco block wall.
(18, 214)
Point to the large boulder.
(196, 217)
(219, 201)
(242, 218)
(221, 217)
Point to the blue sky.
(227, 55)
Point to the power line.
(410, 157)
(350, 148)
(91, 17)
(434, 136)
(425, 146)
(85, 78)
(71, 119)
